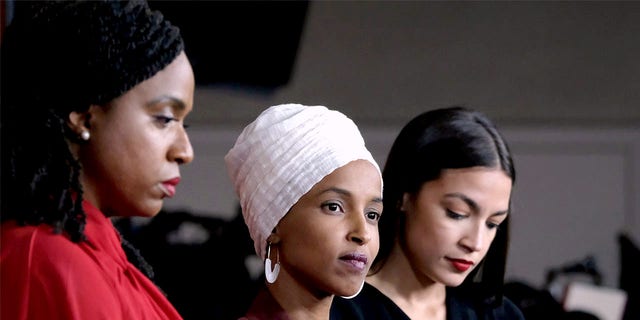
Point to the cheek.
(302, 238)
(420, 225)
(426, 236)
(305, 251)
(374, 244)
(417, 236)
(489, 241)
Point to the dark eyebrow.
(176, 103)
(347, 193)
(474, 205)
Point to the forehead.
(175, 81)
(476, 174)
(482, 184)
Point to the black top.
(371, 304)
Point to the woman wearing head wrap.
(443, 234)
(94, 94)
(311, 195)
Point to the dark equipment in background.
(540, 304)
(198, 261)
(239, 43)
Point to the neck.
(298, 301)
(416, 294)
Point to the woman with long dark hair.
(444, 230)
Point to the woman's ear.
(273, 238)
(405, 202)
(79, 121)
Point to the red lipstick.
(461, 265)
(169, 186)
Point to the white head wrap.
(281, 155)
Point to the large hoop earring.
(270, 274)
(354, 295)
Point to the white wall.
(576, 191)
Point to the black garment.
(371, 304)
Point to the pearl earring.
(85, 135)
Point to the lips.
(460, 264)
(169, 186)
(355, 261)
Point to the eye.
(332, 207)
(454, 215)
(163, 120)
(492, 225)
(373, 215)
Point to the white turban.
(281, 155)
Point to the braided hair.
(59, 57)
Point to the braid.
(43, 175)
(99, 49)
(136, 258)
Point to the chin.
(348, 288)
(452, 280)
(455, 283)
(150, 210)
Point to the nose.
(358, 230)
(473, 240)
(181, 150)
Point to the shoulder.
(34, 245)
(48, 270)
(46, 258)
(369, 304)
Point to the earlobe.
(79, 121)
(402, 206)
(273, 238)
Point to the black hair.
(59, 57)
(447, 138)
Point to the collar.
(102, 235)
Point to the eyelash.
(332, 204)
(377, 215)
(457, 216)
(165, 120)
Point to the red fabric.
(46, 276)
(265, 307)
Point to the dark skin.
(337, 217)
(137, 143)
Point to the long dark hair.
(448, 138)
